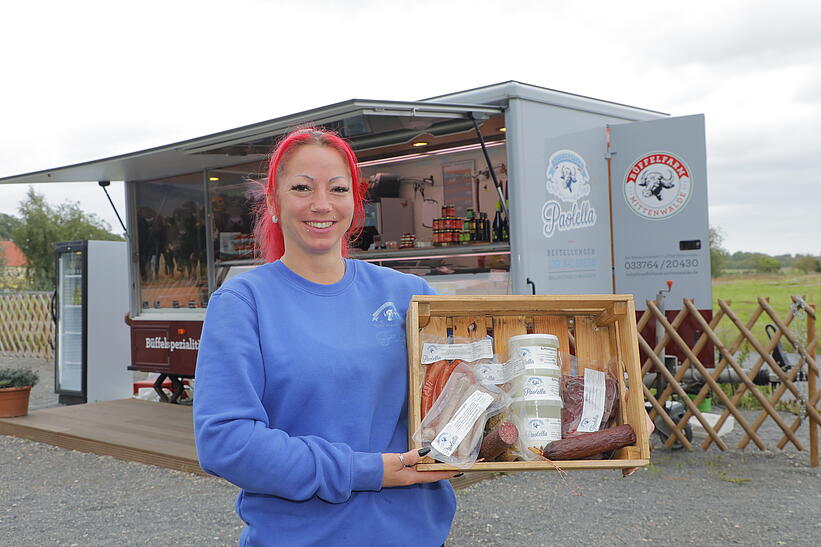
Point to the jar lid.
(546, 339)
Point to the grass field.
(744, 290)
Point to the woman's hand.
(397, 473)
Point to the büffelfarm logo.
(658, 185)
(568, 180)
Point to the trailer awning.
(366, 123)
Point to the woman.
(302, 373)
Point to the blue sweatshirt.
(300, 388)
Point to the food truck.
(505, 189)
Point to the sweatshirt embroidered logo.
(387, 316)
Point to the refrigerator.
(92, 352)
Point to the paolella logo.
(386, 315)
(568, 180)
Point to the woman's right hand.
(395, 473)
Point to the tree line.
(39, 225)
(722, 260)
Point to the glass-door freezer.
(92, 343)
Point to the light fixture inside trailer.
(408, 157)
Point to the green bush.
(17, 377)
(766, 264)
(807, 264)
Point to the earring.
(274, 219)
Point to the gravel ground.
(52, 496)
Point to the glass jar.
(539, 423)
(536, 392)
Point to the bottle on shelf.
(498, 228)
(505, 225)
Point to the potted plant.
(15, 388)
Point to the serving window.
(234, 195)
(171, 252)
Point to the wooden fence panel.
(26, 328)
(805, 344)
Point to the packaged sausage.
(441, 356)
(589, 402)
(454, 425)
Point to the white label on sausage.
(462, 422)
(498, 373)
(544, 357)
(481, 349)
(593, 408)
(539, 388)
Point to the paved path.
(51, 496)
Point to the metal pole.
(659, 327)
(103, 184)
(812, 386)
(490, 169)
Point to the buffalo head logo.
(654, 182)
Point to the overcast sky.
(83, 80)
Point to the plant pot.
(705, 405)
(14, 401)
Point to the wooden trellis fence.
(805, 343)
(26, 328)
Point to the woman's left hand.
(398, 471)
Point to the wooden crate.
(602, 327)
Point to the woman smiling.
(302, 372)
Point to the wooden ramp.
(159, 434)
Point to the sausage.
(442, 379)
(429, 384)
(587, 444)
(498, 440)
(458, 394)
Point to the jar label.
(540, 431)
(462, 422)
(544, 357)
(539, 388)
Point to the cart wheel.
(664, 432)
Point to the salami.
(587, 444)
(498, 440)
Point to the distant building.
(12, 266)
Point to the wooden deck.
(159, 434)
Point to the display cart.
(590, 197)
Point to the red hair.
(269, 241)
